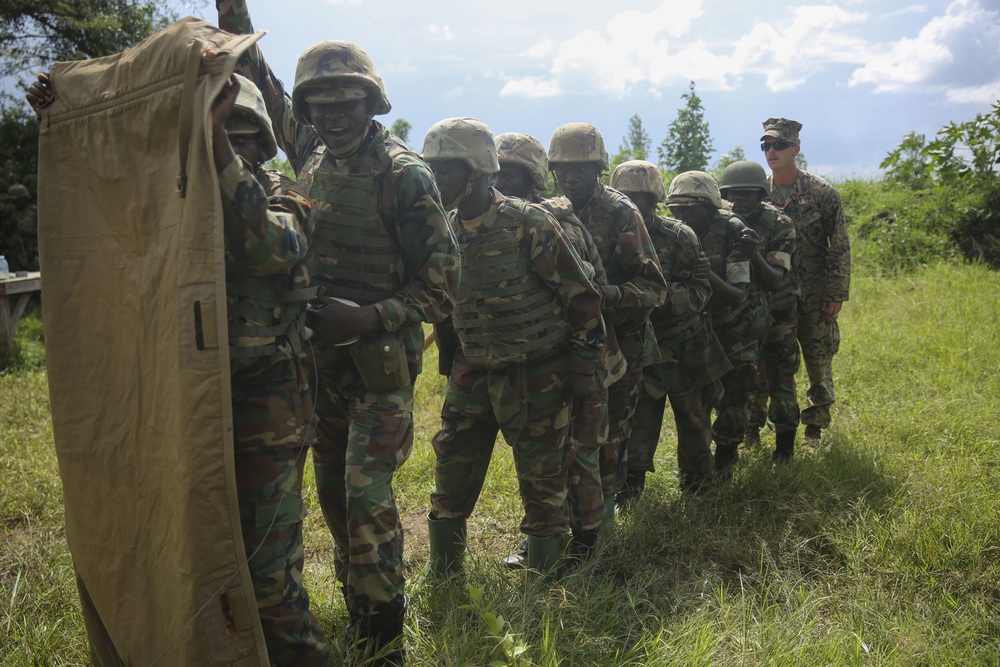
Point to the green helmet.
(18, 191)
(336, 64)
(250, 107)
(744, 174)
(638, 176)
(525, 150)
(578, 142)
(694, 187)
(465, 139)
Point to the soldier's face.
(696, 217)
(452, 177)
(577, 179)
(644, 201)
(779, 160)
(246, 146)
(514, 180)
(744, 200)
(339, 124)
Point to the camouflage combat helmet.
(578, 142)
(525, 150)
(744, 174)
(336, 64)
(18, 191)
(250, 105)
(638, 176)
(465, 139)
(694, 187)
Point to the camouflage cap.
(638, 176)
(18, 191)
(250, 108)
(465, 139)
(336, 64)
(578, 142)
(782, 128)
(693, 188)
(525, 150)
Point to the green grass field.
(879, 547)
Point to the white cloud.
(399, 67)
(939, 57)
(442, 32)
(986, 94)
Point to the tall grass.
(880, 547)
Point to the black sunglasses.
(776, 145)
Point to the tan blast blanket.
(130, 222)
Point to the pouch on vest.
(381, 361)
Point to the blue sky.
(858, 75)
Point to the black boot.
(694, 484)
(378, 634)
(784, 447)
(813, 434)
(635, 483)
(725, 460)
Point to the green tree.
(726, 159)
(635, 145)
(688, 143)
(401, 128)
(800, 161)
(36, 33)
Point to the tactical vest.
(671, 329)
(504, 314)
(266, 313)
(354, 256)
(786, 293)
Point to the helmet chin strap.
(452, 205)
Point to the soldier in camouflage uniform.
(384, 243)
(635, 283)
(524, 173)
(739, 314)
(19, 233)
(268, 226)
(824, 257)
(745, 184)
(691, 358)
(528, 320)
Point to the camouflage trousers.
(364, 437)
(622, 398)
(733, 413)
(527, 403)
(779, 362)
(588, 432)
(692, 419)
(820, 340)
(271, 433)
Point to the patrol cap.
(783, 129)
(334, 93)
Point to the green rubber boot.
(543, 552)
(447, 541)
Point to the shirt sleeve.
(686, 295)
(634, 256)
(838, 265)
(418, 224)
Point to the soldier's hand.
(831, 308)
(702, 268)
(40, 94)
(749, 241)
(335, 322)
(223, 105)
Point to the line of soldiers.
(563, 324)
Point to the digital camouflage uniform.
(381, 238)
(526, 316)
(268, 225)
(19, 233)
(824, 253)
(779, 351)
(635, 286)
(691, 359)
